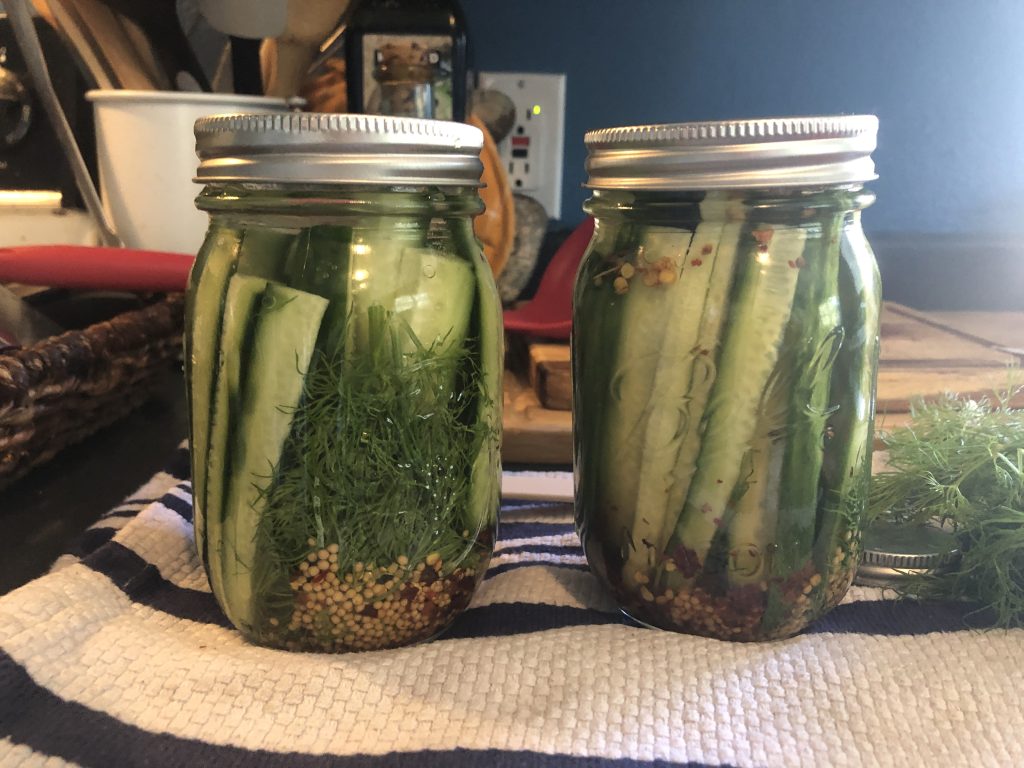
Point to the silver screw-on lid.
(734, 154)
(891, 554)
(337, 149)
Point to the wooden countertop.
(923, 355)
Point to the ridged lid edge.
(907, 562)
(725, 132)
(297, 125)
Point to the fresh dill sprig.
(960, 463)
(379, 459)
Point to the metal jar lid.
(892, 554)
(734, 154)
(337, 149)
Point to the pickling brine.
(724, 357)
(344, 367)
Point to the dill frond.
(960, 463)
(379, 459)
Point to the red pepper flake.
(763, 236)
(718, 481)
(800, 263)
(686, 561)
(408, 592)
(705, 508)
(319, 577)
(718, 522)
(792, 264)
(707, 249)
(696, 263)
(762, 249)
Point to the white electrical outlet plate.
(533, 151)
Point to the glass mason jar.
(344, 361)
(724, 352)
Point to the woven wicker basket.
(64, 388)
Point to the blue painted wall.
(945, 77)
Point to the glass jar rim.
(305, 198)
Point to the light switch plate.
(533, 152)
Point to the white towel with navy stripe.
(120, 656)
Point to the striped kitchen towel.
(120, 656)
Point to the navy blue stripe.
(504, 619)
(179, 465)
(142, 583)
(174, 503)
(177, 504)
(511, 504)
(901, 617)
(122, 513)
(91, 540)
(185, 487)
(136, 500)
(497, 570)
(541, 549)
(32, 716)
(532, 530)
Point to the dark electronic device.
(407, 58)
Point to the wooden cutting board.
(922, 355)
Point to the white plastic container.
(146, 155)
